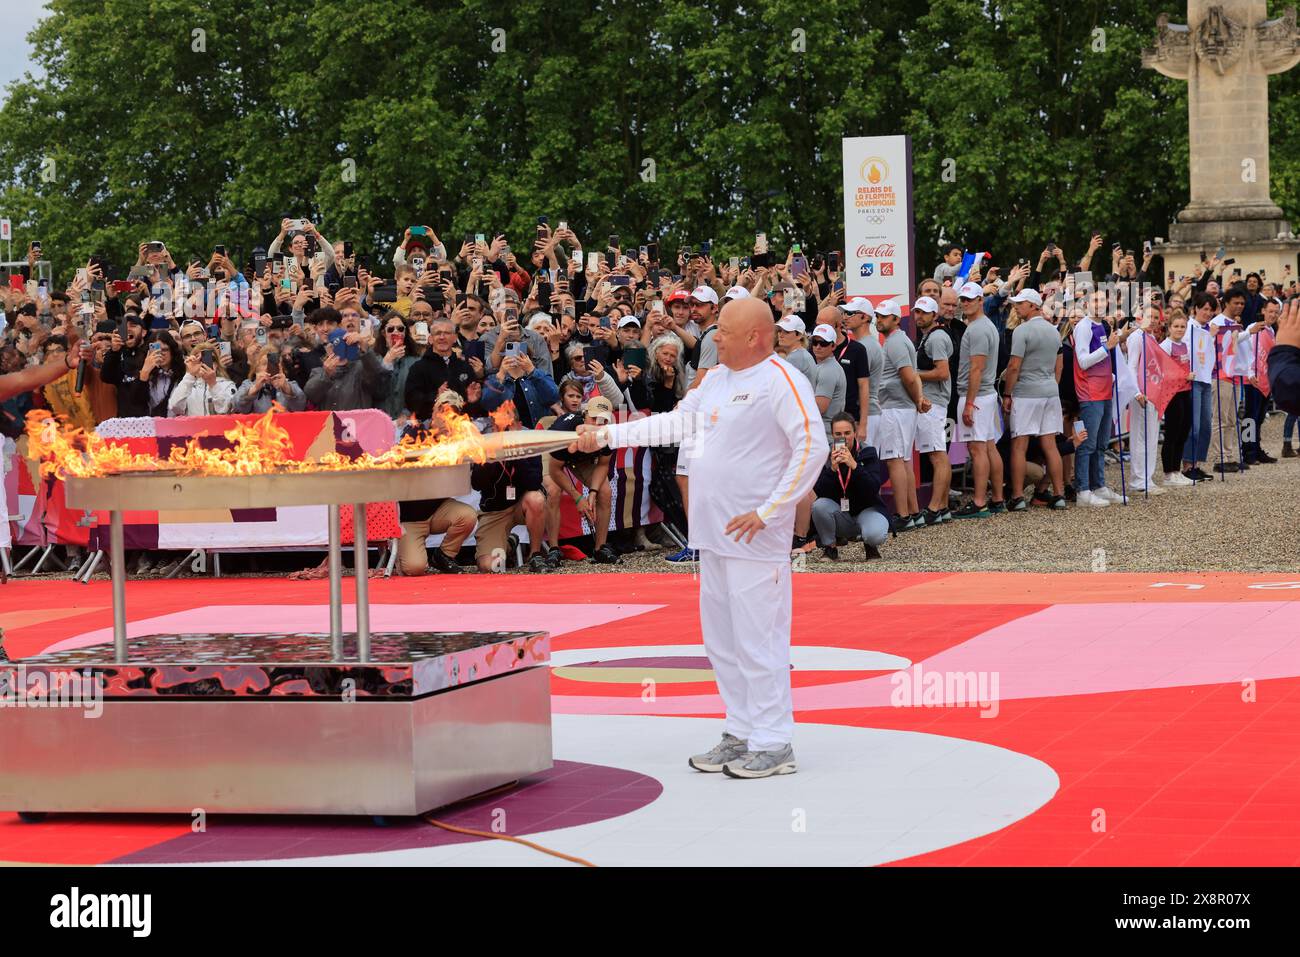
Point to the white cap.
(889, 308)
(793, 324)
(971, 290)
(825, 332)
(925, 304)
(629, 321)
(1028, 295)
(736, 292)
(860, 304)
(705, 294)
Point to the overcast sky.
(20, 18)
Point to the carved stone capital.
(1277, 42)
(1172, 54)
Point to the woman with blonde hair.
(206, 388)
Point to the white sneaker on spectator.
(1177, 479)
(1091, 499)
(1140, 487)
(1108, 494)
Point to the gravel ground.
(1247, 523)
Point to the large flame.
(256, 448)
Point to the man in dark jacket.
(510, 494)
(122, 368)
(1284, 361)
(439, 368)
(848, 501)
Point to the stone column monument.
(1226, 52)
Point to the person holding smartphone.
(267, 386)
(205, 389)
(848, 504)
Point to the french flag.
(968, 262)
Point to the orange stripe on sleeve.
(807, 444)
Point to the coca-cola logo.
(883, 251)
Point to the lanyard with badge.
(509, 472)
(844, 486)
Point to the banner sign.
(878, 228)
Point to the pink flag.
(1263, 346)
(1227, 346)
(1160, 375)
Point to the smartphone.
(620, 280)
(833, 262)
(418, 231)
(1171, 277)
(735, 262)
(347, 250)
(208, 359)
(36, 246)
(17, 283)
(613, 241)
(218, 250)
(838, 286)
(706, 248)
(480, 239)
(798, 266)
(349, 282)
(420, 332)
(273, 363)
(1051, 248)
(577, 259)
(225, 350)
(153, 346)
(1221, 251)
(544, 296)
(122, 285)
(652, 252)
(593, 261)
(475, 349)
(514, 350)
(1229, 262)
(260, 334)
(760, 243)
(635, 356)
(1078, 426)
(657, 306)
(156, 247)
(604, 322)
(386, 292)
(1146, 247)
(562, 226)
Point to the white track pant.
(745, 618)
(1144, 441)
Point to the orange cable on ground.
(500, 837)
(506, 837)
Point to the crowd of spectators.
(1024, 364)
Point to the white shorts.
(932, 430)
(988, 420)
(873, 431)
(1036, 416)
(897, 434)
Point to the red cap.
(681, 295)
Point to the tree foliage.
(679, 121)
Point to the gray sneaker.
(728, 749)
(761, 764)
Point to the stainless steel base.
(268, 756)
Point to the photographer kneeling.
(848, 501)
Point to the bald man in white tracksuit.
(759, 446)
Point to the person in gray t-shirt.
(936, 345)
(875, 370)
(980, 339)
(1037, 344)
(829, 384)
(899, 354)
(1031, 398)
